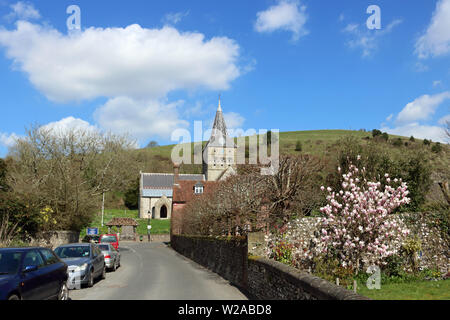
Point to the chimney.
(176, 171)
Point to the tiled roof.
(165, 180)
(122, 222)
(185, 191)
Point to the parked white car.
(112, 256)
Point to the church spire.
(219, 129)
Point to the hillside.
(322, 143)
(318, 143)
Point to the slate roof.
(165, 180)
(122, 222)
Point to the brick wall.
(224, 256)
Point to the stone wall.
(224, 256)
(435, 253)
(259, 278)
(272, 280)
(53, 239)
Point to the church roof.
(165, 180)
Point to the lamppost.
(148, 225)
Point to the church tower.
(219, 154)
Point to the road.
(153, 271)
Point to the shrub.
(298, 146)
(426, 142)
(412, 139)
(385, 136)
(436, 148)
(376, 133)
(397, 142)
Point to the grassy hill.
(319, 142)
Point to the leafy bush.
(426, 142)
(412, 139)
(282, 252)
(376, 133)
(436, 148)
(298, 146)
(397, 142)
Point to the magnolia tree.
(356, 227)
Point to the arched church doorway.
(153, 213)
(163, 212)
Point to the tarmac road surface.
(153, 271)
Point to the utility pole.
(103, 207)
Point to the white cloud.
(422, 108)
(434, 133)
(112, 62)
(286, 15)
(69, 123)
(233, 120)
(436, 39)
(437, 83)
(389, 118)
(23, 11)
(8, 140)
(135, 68)
(174, 18)
(365, 39)
(420, 67)
(444, 120)
(142, 118)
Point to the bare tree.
(65, 172)
(293, 190)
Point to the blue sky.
(150, 67)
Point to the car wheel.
(64, 292)
(13, 297)
(104, 273)
(114, 268)
(91, 279)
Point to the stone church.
(219, 162)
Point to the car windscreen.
(108, 239)
(9, 262)
(104, 247)
(73, 252)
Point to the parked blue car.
(32, 274)
(85, 263)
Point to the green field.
(317, 142)
(158, 226)
(423, 290)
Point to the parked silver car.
(112, 256)
(85, 261)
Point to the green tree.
(436, 148)
(376, 133)
(131, 197)
(298, 146)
